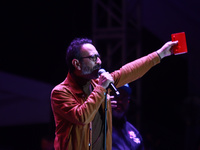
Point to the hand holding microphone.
(106, 80)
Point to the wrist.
(159, 54)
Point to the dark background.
(35, 35)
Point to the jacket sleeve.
(76, 109)
(135, 69)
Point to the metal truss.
(117, 31)
(117, 34)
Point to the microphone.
(111, 85)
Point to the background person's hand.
(113, 102)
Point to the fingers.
(112, 97)
(175, 42)
(171, 44)
(105, 79)
(108, 76)
(113, 104)
(166, 49)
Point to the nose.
(98, 61)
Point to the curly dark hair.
(73, 51)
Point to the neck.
(80, 80)
(118, 122)
(85, 84)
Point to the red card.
(181, 47)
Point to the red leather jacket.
(74, 111)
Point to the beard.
(90, 73)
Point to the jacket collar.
(72, 83)
(74, 86)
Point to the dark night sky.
(36, 34)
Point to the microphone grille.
(101, 71)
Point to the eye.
(92, 57)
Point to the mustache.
(97, 67)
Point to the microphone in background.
(111, 85)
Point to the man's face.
(90, 62)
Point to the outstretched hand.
(166, 49)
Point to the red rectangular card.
(181, 47)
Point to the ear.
(76, 64)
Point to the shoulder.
(60, 87)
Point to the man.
(124, 134)
(78, 102)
